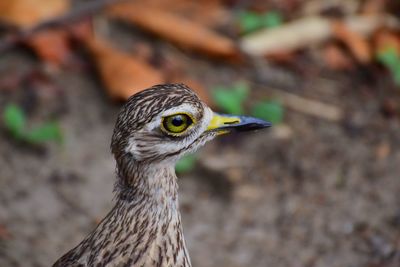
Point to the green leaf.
(14, 120)
(391, 60)
(272, 19)
(269, 110)
(388, 57)
(396, 74)
(250, 21)
(48, 132)
(231, 99)
(185, 164)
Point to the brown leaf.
(355, 42)
(335, 58)
(122, 73)
(51, 46)
(27, 13)
(288, 37)
(178, 30)
(206, 12)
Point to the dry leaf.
(288, 37)
(207, 12)
(335, 58)
(122, 73)
(27, 13)
(309, 31)
(178, 30)
(356, 43)
(308, 106)
(51, 46)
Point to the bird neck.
(155, 182)
(147, 207)
(143, 229)
(151, 231)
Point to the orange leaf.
(178, 30)
(356, 43)
(27, 13)
(206, 12)
(122, 73)
(51, 46)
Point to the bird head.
(162, 123)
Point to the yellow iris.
(176, 124)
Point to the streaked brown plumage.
(144, 227)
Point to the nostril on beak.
(231, 122)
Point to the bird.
(154, 129)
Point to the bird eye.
(176, 124)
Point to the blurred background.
(320, 188)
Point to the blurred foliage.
(185, 164)
(251, 21)
(231, 99)
(15, 122)
(271, 111)
(391, 60)
(46, 132)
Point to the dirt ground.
(307, 192)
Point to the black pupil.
(177, 121)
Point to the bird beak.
(223, 123)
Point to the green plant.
(15, 122)
(230, 99)
(269, 110)
(251, 21)
(390, 58)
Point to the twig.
(307, 106)
(85, 10)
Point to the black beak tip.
(255, 126)
(265, 124)
(251, 124)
